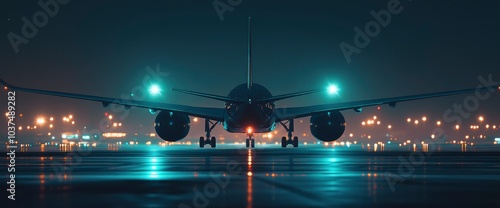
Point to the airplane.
(249, 108)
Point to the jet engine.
(328, 126)
(172, 126)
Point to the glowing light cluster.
(114, 135)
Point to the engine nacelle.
(328, 127)
(172, 126)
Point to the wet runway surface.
(268, 176)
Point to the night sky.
(103, 48)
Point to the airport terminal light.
(40, 120)
(154, 90)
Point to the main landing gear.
(209, 126)
(289, 129)
(250, 142)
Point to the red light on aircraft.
(249, 130)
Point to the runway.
(267, 176)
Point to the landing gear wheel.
(247, 143)
(295, 142)
(252, 143)
(289, 140)
(212, 142)
(209, 126)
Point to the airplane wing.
(298, 112)
(216, 114)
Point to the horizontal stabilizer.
(206, 95)
(290, 95)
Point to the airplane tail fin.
(249, 55)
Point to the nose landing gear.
(250, 142)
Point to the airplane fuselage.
(258, 117)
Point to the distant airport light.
(40, 120)
(51, 118)
(457, 127)
(154, 90)
(408, 120)
(424, 118)
(438, 123)
(110, 117)
(333, 89)
(481, 118)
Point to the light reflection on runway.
(312, 176)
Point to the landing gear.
(212, 142)
(289, 129)
(250, 142)
(209, 126)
